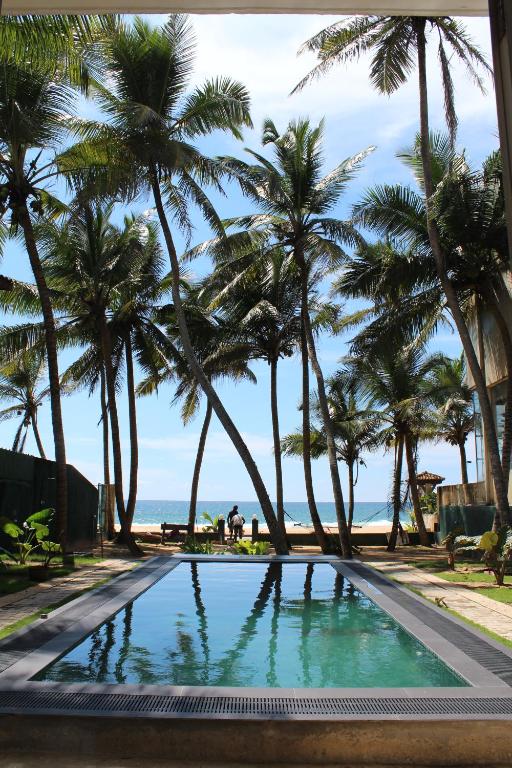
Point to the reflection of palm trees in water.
(304, 651)
(272, 645)
(203, 622)
(103, 655)
(119, 672)
(231, 661)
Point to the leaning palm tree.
(296, 201)
(356, 432)
(20, 383)
(146, 145)
(261, 305)
(221, 357)
(398, 43)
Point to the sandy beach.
(377, 528)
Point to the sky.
(261, 52)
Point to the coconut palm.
(295, 201)
(262, 306)
(146, 145)
(456, 419)
(395, 381)
(221, 357)
(356, 432)
(37, 95)
(20, 382)
(398, 44)
(401, 275)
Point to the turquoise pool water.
(253, 624)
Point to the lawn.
(14, 578)
(468, 572)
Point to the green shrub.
(193, 547)
(30, 537)
(246, 547)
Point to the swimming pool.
(253, 624)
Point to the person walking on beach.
(231, 515)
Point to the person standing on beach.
(238, 526)
(231, 515)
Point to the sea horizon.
(156, 511)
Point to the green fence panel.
(473, 520)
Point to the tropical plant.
(397, 44)
(455, 542)
(211, 523)
(193, 547)
(246, 547)
(497, 551)
(296, 201)
(19, 382)
(455, 414)
(259, 295)
(37, 96)
(395, 381)
(145, 145)
(356, 432)
(29, 537)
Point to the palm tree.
(395, 381)
(295, 201)
(397, 43)
(20, 382)
(356, 432)
(401, 275)
(221, 356)
(262, 306)
(105, 279)
(456, 419)
(145, 145)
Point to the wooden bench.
(172, 531)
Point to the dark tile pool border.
(482, 662)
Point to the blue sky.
(261, 52)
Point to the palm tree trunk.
(276, 536)
(197, 470)
(37, 436)
(500, 489)
(413, 488)
(322, 539)
(344, 534)
(397, 496)
(463, 465)
(277, 445)
(109, 510)
(61, 472)
(17, 436)
(350, 495)
(134, 446)
(106, 349)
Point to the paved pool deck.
(488, 613)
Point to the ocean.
(156, 512)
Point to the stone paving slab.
(22, 604)
(490, 614)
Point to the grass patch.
(10, 628)
(14, 578)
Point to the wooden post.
(254, 536)
(221, 527)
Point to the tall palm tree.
(356, 432)
(221, 357)
(145, 145)
(37, 95)
(262, 306)
(296, 200)
(104, 280)
(456, 419)
(401, 276)
(20, 382)
(398, 44)
(396, 382)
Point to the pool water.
(253, 624)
